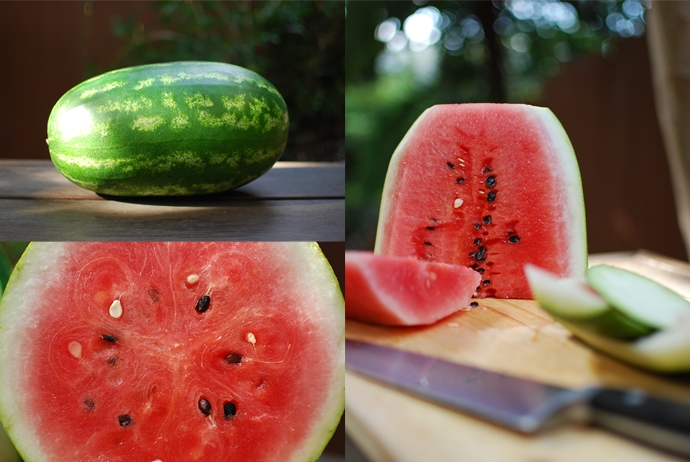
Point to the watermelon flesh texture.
(490, 186)
(80, 384)
(404, 291)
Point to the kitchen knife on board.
(523, 405)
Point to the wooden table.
(513, 337)
(294, 201)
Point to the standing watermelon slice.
(167, 352)
(489, 186)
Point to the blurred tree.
(298, 46)
(405, 56)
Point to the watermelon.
(179, 128)
(404, 291)
(574, 300)
(171, 352)
(489, 186)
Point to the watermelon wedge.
(167, 352)
(489, 186)
(404, 291)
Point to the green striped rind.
(178, 128)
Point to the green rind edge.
(665, 351)
(598, 316)
(629, 307)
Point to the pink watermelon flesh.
(254, 373)
(489, 186)
(404, 291)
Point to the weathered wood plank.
(293, 201)
(275, 220)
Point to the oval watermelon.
(180, 128)
(490, 186)
(171, 352)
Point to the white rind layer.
(564, 163)
(39, 264)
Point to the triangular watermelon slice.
(490, 186)
(404, 291)
(171, 352)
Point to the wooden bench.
(294, 201)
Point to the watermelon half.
(489, 186)
(404, 291)
(146, 352)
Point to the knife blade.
(523, 405)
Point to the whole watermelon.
(180, 128)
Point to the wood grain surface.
(293, 201)
(513, 337)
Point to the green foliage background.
(382, 104)
(297, 45)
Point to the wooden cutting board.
(509, 336)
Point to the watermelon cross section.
(171, 352)
(489, 186)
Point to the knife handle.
(633, 413)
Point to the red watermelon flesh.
(111, 352)
(490, 186)
(404, 291)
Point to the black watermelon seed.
(486, 169)
(491, 197)
(481, 254)
(205, 407)
(112, 361)
(229, 409)
(154, 294)
(514, 239)
(491, 181)
(427, 243)
(203, 304)
(89, 404)
(480, 270)
(124, 420)
(474, 304)
(109, 338)
(477, 241)
(450, 165)
(474, 266)
(486, 282)
(478, 226)
(487, 220)
(430, 228)
(233, 358)
(460, 180)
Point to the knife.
(523, 405)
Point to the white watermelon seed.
(115, 309)
(458, 202)
(74, 349)
(193, 278)
(251, 338)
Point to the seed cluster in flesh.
(476, 201)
